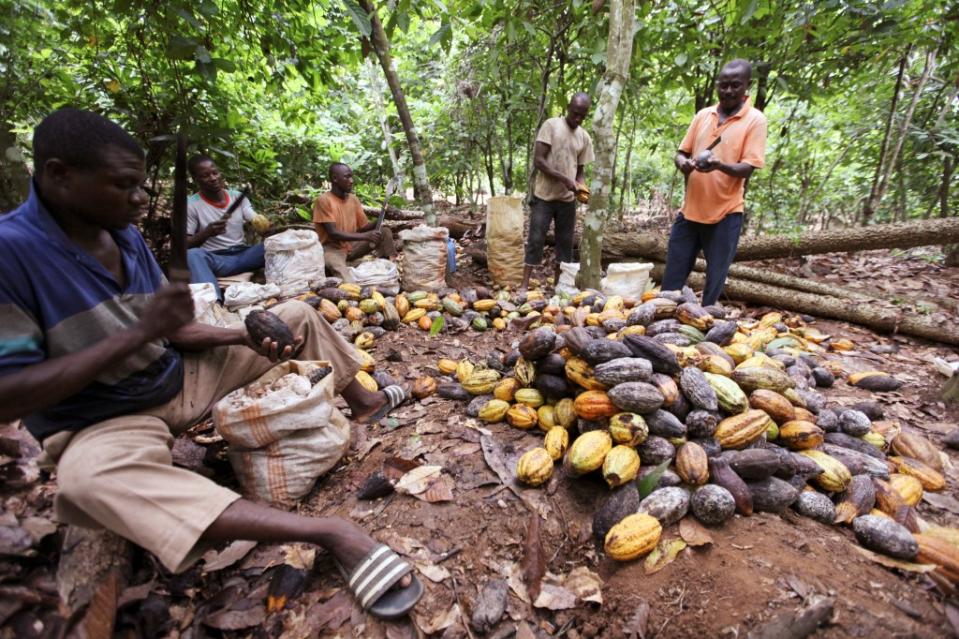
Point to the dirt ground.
(473, 530)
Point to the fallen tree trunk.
(393, 213)
(875, 316)
(621, 246)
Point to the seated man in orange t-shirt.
(712, 215)
(344, 230)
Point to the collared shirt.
(201, 213)
(568, 150)
(56, 299)
(711, 196)
(346, 214)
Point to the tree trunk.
(622, 246)
(381, 45)
(14, 177)
(869, 206)
(876, 317)
(947, 168)
(626, 182)
(619, 50)
(376, 90)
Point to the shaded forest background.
(861, 96)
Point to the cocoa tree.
(619, 50)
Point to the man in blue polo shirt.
(101, 359)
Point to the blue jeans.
(206, 266)
(718, 243)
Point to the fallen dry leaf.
(663, 555)
(694, 533)
(890, 562)
(555, 597)
(418, 480)
(441, 620)
(586, 584)
(233, 553)
(636, 628)
(534, 557)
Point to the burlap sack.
(424, 258)
(504, 240)
(283, 433)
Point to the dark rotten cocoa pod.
(620, 503)
(721, 333)
(859, 499)
(702, 423)
(263, 325)
(551, 386)
(662, 359)
(823, 377)
(697, 390)
(655, 450)
(676, 339)
(454, 391)
(552, 364)
(753, 463)
(857, 462)
(879, 383)
(772, 495)
(854, 443)
(722, 475)
(854, 423)
(710, 445)
(600, 351)
(665, 424)
(576, 339)
(663, 326)
(641, 315)
(885, 536)
(827, 420)
(636, 397)
(872, 409)
(537, 344)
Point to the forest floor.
(477, 530)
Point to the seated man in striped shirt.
(102, 360)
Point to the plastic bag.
(627, 279)
(294, 261)
(248, 293)
(283, 432)
(504, 240)
(204, 298)
(424, 267)
(567, 278)
(380, 273)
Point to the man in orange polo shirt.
(344, 230)
(712, 215)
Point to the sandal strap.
(395, 394)
(376, 574)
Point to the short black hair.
(336, 165)
(580, 96)
(196, 161)
(741, 64)
(79, 139)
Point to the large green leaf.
(360, 18)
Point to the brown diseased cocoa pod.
(264, 324)
(722, 475)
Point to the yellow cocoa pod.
(835, 477)
(424, 323)
(529, 396)
(521, 416)
(743, 429)
(366, 381)
(800, 435)
(329, 311)
(588, 451)
(484, 306)
(524, 371)
(499, 324)
(464, 369)
(424, 387)
(935, 550)
(535, 467)
(493, 411)
(581, 373)
(556, 442)
(506, 389)
(413, 315)
(565, 413)
(875, 439)
(908, 487)
(620, 465)
(377, 297)
(628, 428)
(353, 289)
(354, 314)
(364, 340)
(635, 536)
(367, 363)
(402, 306)
(931, 479)
(260, 223)
(446, 366)
(546, 418)
(481, 382)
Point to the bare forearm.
(737, 169)
(41, 385)
(341, 236)
(196, 336)
(543, 167)
(195, 240)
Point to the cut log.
(393, 213)
(875, 316)
(90, 558)
(621, 246)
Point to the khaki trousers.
(118, 474)
(338, 261)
